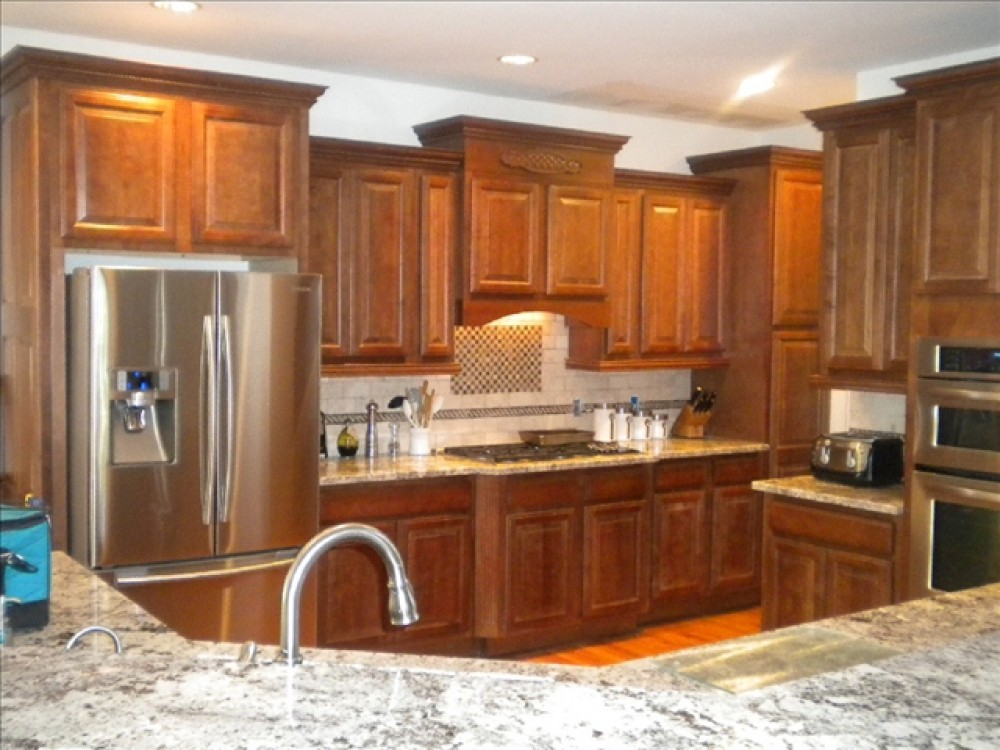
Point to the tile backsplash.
(477, 411)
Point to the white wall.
(372, 109)
(878, 81)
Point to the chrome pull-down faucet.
(402, 604)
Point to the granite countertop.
(929, 677)
(885, 500)
(359, 469)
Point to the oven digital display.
(969, 359)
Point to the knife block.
(690, 424)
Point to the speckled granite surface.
(942, 691)
(360, 469)
(886, 500)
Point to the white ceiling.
(668, 59)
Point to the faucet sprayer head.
(402, 603)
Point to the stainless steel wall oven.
(955, 525)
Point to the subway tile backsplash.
(493, 417)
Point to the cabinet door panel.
(613, 558)
(438, 556)
(736, 538)
(353, 598)
(854, 263)
(795, 591)
(680, 544)
(543, 569)
(797, 243)
(505, 253)
(384, 272)
(957, 248)
(663, 295)
(576, 255)
(327, 256)
(704, 332)
(798, 407)
(624, 273)
(856, 582)
(118, 167)
(244, 182)
(438, 237)
(899, 248)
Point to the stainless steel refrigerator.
(194, 411)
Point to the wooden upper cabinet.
(438, 244)
(383, 233)
(797, 210)
(246, 166)
(538, 217)
(383, 269)
(505, 253)
(868, 215)
(665, 278)
(577, 254)
(957, 205)
(102, 134)
(176, 159)
(663, 272)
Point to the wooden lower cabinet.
(559, 555)
(706, 536)
(824, 563)
(430, 523)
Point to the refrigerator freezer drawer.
(233, 600)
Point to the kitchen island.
(929, 677)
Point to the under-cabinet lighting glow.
(518, 59)
(177, 7)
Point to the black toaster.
(860, 457)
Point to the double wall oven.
(955, 539)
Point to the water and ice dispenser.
(143, 426)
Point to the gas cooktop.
(506, 453)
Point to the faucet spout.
(402, 603)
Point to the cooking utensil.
(408, 413)
(395, 402)
(555, 437)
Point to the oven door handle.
(947, 487)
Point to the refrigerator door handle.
(226, 414)
(190, 571)
(207, 407)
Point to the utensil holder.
(690, 424)
(420, 441)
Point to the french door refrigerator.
(194, 467)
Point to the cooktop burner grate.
(514, 452)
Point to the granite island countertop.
(935, 684)
(336, 471)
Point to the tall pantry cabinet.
(772, 299)
(101, 154)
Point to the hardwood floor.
(657, 639)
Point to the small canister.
(602, 423)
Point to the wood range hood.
(537, 218)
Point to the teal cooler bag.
(26, 548)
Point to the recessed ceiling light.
(518, 59)
(177, 7)
(756, 84)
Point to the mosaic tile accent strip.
(497, 411)
(498, 359)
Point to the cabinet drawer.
(557, 489)
(738, 470)
(681, 475)
(838, 529)
(616, 484)
(394, 499)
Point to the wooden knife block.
(690, 424)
